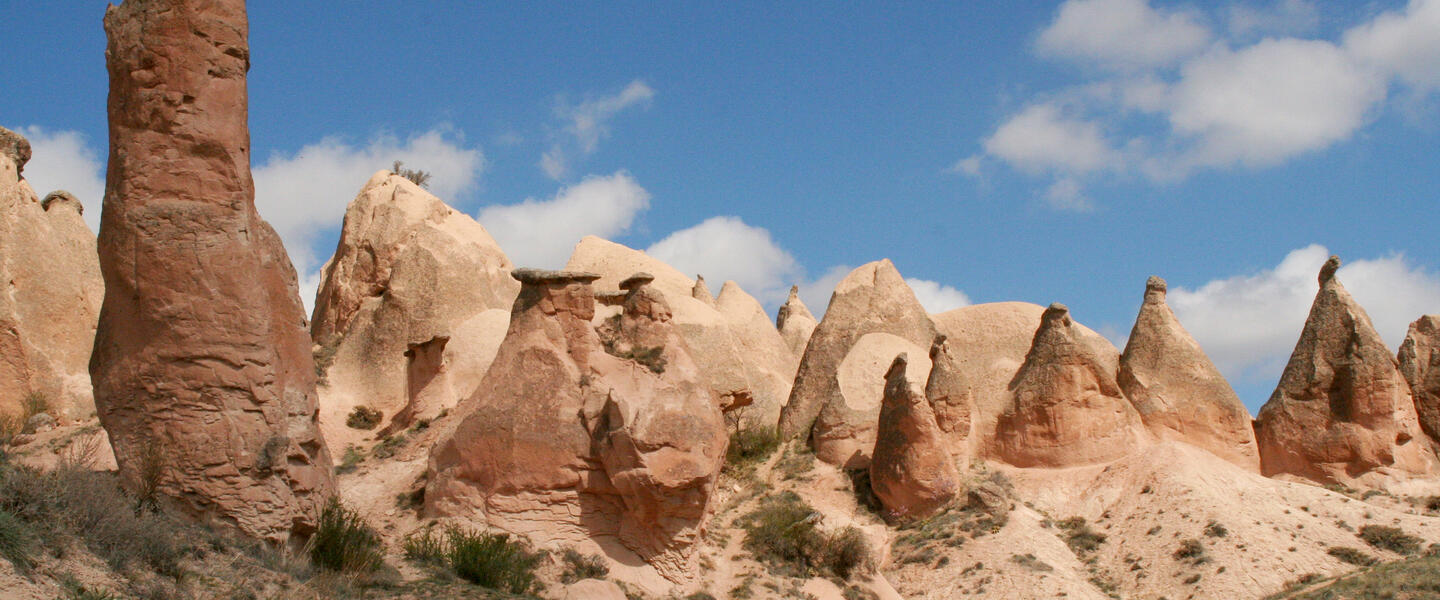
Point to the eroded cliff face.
(1420, 365)
(1342, 411)
(202, 368)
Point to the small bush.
(344, 542)
(1352, 556)
(1080, 537)
(363, 417)
(1190, 549)
(492, 561)
(15, 541)
(416, 176)
(1215, 529)
(582, 566)
(388, 446)
(351, 460)
(1390, 538)
(426, 546)
(1030, 562)
(846, 552)
(784, 532)
(750, 446)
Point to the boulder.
(795, 323)
(1342, 411)
(1066, 407)
(835, 403)
(48, 314)
(408, 269)
(1178, 392)
(1420, 365)
(581, 430)
(911, 472)
(202, 367)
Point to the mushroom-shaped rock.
(52, 298)
(407, 269)
(911, 472)
(1066, 407)
(202, 366)
(1178, 392)
(1342, 411)
(795, 323)
(1420, 364)
(62, 198)
(873, 316)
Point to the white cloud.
(63, 160)
(725, 248)
(937, 297)
(586, 123)
(1041, 139)
(1249, 324)
(304, 195)
(541, 233)
(1280, 17)
(969, 165)
(1065, 194)
(1121, 34)
(1403, 44)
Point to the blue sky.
(1035, 151)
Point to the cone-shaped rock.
(872, 317)
(202, 365)
(1342, 409)
(949, 394)
(48, 315)
(1420, 364)
(1066, 407)
(1177, 390)
(585, 431)
(701, 292)
(769, 362)
(795, 323)
(911, 473)
(407, 269)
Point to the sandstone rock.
(911, 472)
(701, 292)
(1066, 407)
(989, 497)
(736, 358)
(48, 314)
(202, 362)
(795, 323)
(949, 394)
(594, 589)
(579, 431)
(873, 316)
(407, 269)
(39, 423)
(1342, 410)
(1420, 364)
(1178, 392)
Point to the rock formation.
(408, 269)
(202, 368)
(1066, 407)
(795, 323)
(873, 316)
(744, 365)
(949, 394)
(701, 292)
(1177, 390)
(911, 472)
(1420, 365)
(1342, 409)
(52, 300)
(579, 430)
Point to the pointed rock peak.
(64, 198)
(937, 347)
(897, 370)
(16, 147)
(1056, 314)
(1327, 271)
(912, 473)
(794, 294)
(1420, 365)
(701, 292)
(1155, 289)
(794, 308)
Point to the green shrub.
(364, 417)
(344, 542)
(388, 446)
(1352, 556)
(1080, 537)
(846, 552)
(15, 541)
(492, 561)
(426, 546)
(1390, 538)
(351, 460)
(582, 566)
(1190, 549)
(750, 446)
(784, 532)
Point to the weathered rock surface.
(701, 291)
(1178, 392)
(1342, 410)
(739, 360)
(593, 589)
(202, 368)
(1066, 407)
(578, 431)
(949, 394)
(795, 323)
(1420, 365)
(911, 472)
(873, 316)
(51, 296)
(408, 269)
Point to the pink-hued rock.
(1420, 365)
(1178, 392)
(579, 430)
(701, 291)
(202, 368)
(950, 395)
(48, 313)
(911, 472)
(872, 317)
(1066, 407)
(1342, 411)
(594, 589)
(795, 323)
(408, 269)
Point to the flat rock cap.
(637, 280)
(528, 275)
(16, 147)
(1155, 283)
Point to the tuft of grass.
(363, 417)
(426, 546)
(1352, 556)
(796, 461)
(1390, 538)
(1190, 549)
(582, 566)
(1080, 537)
(1029, 561)
(416, 176)
(491, 561)
(388, 446)
(1215, 529)
(351, 460)
(344, 542)
(16, 542)
(1412, 578)
(751, 446)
